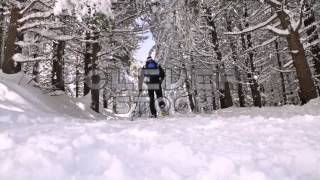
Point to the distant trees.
(259, 55)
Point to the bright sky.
(145, 46)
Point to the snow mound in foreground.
(17, 98)
(232, 144)
(182, 148)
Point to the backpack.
(151, 69)
(151, 64)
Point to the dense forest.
(216, 53)
(159, 89)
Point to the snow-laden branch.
(263, 44)
(310, 26)
(276, 2)
(142, 30)
(81, 8)
(53, 36)
(288, 64)
(260, 12)
(214, 16)
(23, 59)
(40, 23)
(311, 36)
(203, 54)
(26, 44)
(283, 71)
(258, 26)
(110, 50)
(277, 31)
(307, 45)
(280, 6)
(297, 25)
(127, 18)
(36, 15)
(30, 5)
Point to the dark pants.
(152, 100)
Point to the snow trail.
(196, 147)
(235, 144)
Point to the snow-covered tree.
(286, 20)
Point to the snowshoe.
(164, 113)
(153, 116)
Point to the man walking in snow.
(153, 75)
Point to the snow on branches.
(82, 8)
(259, 26)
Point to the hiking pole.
(134, 112)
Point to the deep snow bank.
(17, 98)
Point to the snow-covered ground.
(54, 138)
(18, 98)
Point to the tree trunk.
(57, 69)
(87, 61)
(105, 100)
(315, 49)
(240, 92)
(189, 90)
(77, 82)
(9, 66)
(213, 94)
(307, 87)
(226, 99)
(283, 85)
(95, 76)
(256, 96)
(251, 76)
(35, 72)
(193, 84)
(2, 33)
(190, 97)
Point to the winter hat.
(149, 58)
